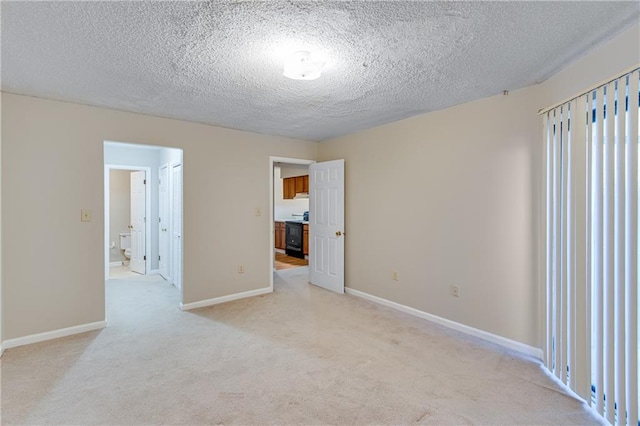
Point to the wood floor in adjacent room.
(299, 356)
(287, 262)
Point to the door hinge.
(159, 220)
(145, 219)
(144, 182)
(158, 257)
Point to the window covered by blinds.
(592, 237)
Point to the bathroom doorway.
(127, 202)
(143, 202)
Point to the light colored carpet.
(299, 356)
(121, 271)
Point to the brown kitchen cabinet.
(294, 185)
(280, 230)
(299, 184)
(305, 239)
(288, 188)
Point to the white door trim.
(179, 277)
(147, 192)
(166, 221)
(272, 243)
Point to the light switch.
(85, 215)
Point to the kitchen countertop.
(304, 222)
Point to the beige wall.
(52, 152)
(446, 199)
(119, 210)
(453, 198)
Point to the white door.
(163, 223)
(138, 237)
(326, 225)
(176, 225)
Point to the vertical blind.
(592, 237)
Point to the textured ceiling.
(221, 62)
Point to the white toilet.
(125, 244)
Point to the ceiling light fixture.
(302, 66)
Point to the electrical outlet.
(85, 215)
(241, 269)
(258, 211)
(394, 275)
(455, 291)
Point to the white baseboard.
(223, 299)
(493, 338)
(41, 337)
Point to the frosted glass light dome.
(303, 66)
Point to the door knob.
(338, 233)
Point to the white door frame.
(147, 212)
(166, 221)
(179, 277)
(272, 243)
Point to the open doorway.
(325, 224)
(143, 214)
(289, 213)
(127, 200)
